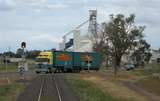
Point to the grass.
(31, 64)
(113, 90)
(154, 68)
(150, 84)
(10, 67)
(9, 92)
(88, 91)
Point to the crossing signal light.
(23, 45)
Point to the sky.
(42, 23)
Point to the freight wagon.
(63, 61)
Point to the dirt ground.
(3, 81)
(122, 87)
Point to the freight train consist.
(63, 61)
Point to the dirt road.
(131, 85)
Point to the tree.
(142, 53)
(120, 37)
(98, 40)
(19, 52)
(32, 54)
(10, 54)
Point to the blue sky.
(42, 23)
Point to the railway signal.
(23, 44)
(22, 63)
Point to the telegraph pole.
(6, 59)
(6, 65)
(6, 62)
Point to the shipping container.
(63, 60)
(87, 60)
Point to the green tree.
(141, 53)
(10, 54)
(32, 54)
(121, 35)
(19, 52)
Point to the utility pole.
(8, 58)
(6, 64)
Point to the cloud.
(56, 6)
(55, 17)
(37, 5)
(7, 5)
(34, 40)
(48, 37)
(40, 4)
(30, 2)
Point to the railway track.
(59, 95)
(40, 92)
(48, 87)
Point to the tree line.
(31, 54)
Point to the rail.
(54, 84)
(41, 89)
(59, 95)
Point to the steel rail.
(58, 91)
(41, 89)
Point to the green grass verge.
(87, 91)
(9, 92)
(10, 67)
(154, 68)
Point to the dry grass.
(10, 90)
(135, 85)
(88, 91)
(150, 84)
(112, 86)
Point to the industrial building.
(81, 42)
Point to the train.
(64, 61)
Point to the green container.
(63, 59)
(76, 60)
(83, 60)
